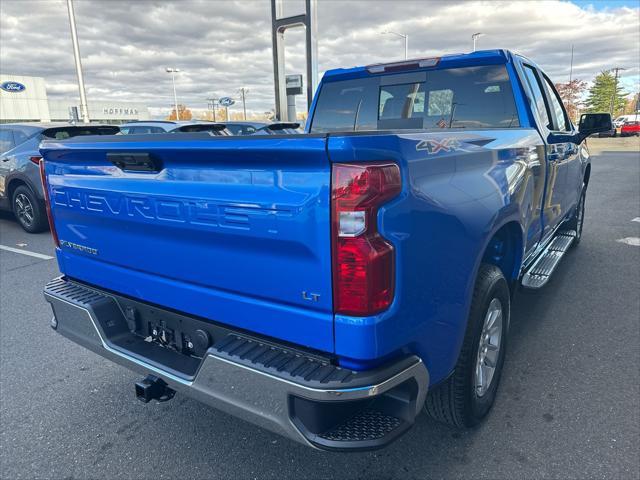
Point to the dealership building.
(24, 99)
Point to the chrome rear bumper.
(310, 401)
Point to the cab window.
(559, 116)
(538, 96)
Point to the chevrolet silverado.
(328, 285)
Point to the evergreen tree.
(602, 92)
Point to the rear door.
(235, 229)
(562, 132)
(557, 155)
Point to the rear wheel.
(29, 212)
(466, 397)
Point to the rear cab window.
(461, 97)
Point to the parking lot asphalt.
(568, 405)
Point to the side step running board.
(539, 273)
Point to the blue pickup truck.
(328, 285)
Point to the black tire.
(28, 210)
(456, 401)
(577, 222)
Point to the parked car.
(243, 128)
(612, 133)
(149, 126)
(630, 128)
(183, 126)
(330, 285)
(279, 128)
(622, 119)
(20, 183)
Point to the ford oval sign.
(226, 101)
(12, 87)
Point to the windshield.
(469, 97)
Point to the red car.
(630, 128)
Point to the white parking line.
(635, 241)
(637, 219)
(25, 252)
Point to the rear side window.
(469, 97)
(15, 135)
(6, 140)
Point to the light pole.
(401, 35)
(243, 93)
(474, 37)
(571, 67)
(173, 72)
(84, 109)
(212, 102)
(615, 88)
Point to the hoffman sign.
(119, 111)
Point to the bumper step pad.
(540, 272)
(366, 425)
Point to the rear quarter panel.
(18, 169)
(459, 188)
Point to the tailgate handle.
(134, 161)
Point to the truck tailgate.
(235, 230)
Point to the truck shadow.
(207, 438)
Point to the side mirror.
(591, 123)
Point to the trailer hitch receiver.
(153, 388)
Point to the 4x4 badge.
(437, 146)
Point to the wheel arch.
(13, 184)
(504, 249)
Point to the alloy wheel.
(24, 209)
(489, 348)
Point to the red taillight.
(363, 261)
(47, 201)
(35, 159)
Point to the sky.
(221, 46)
